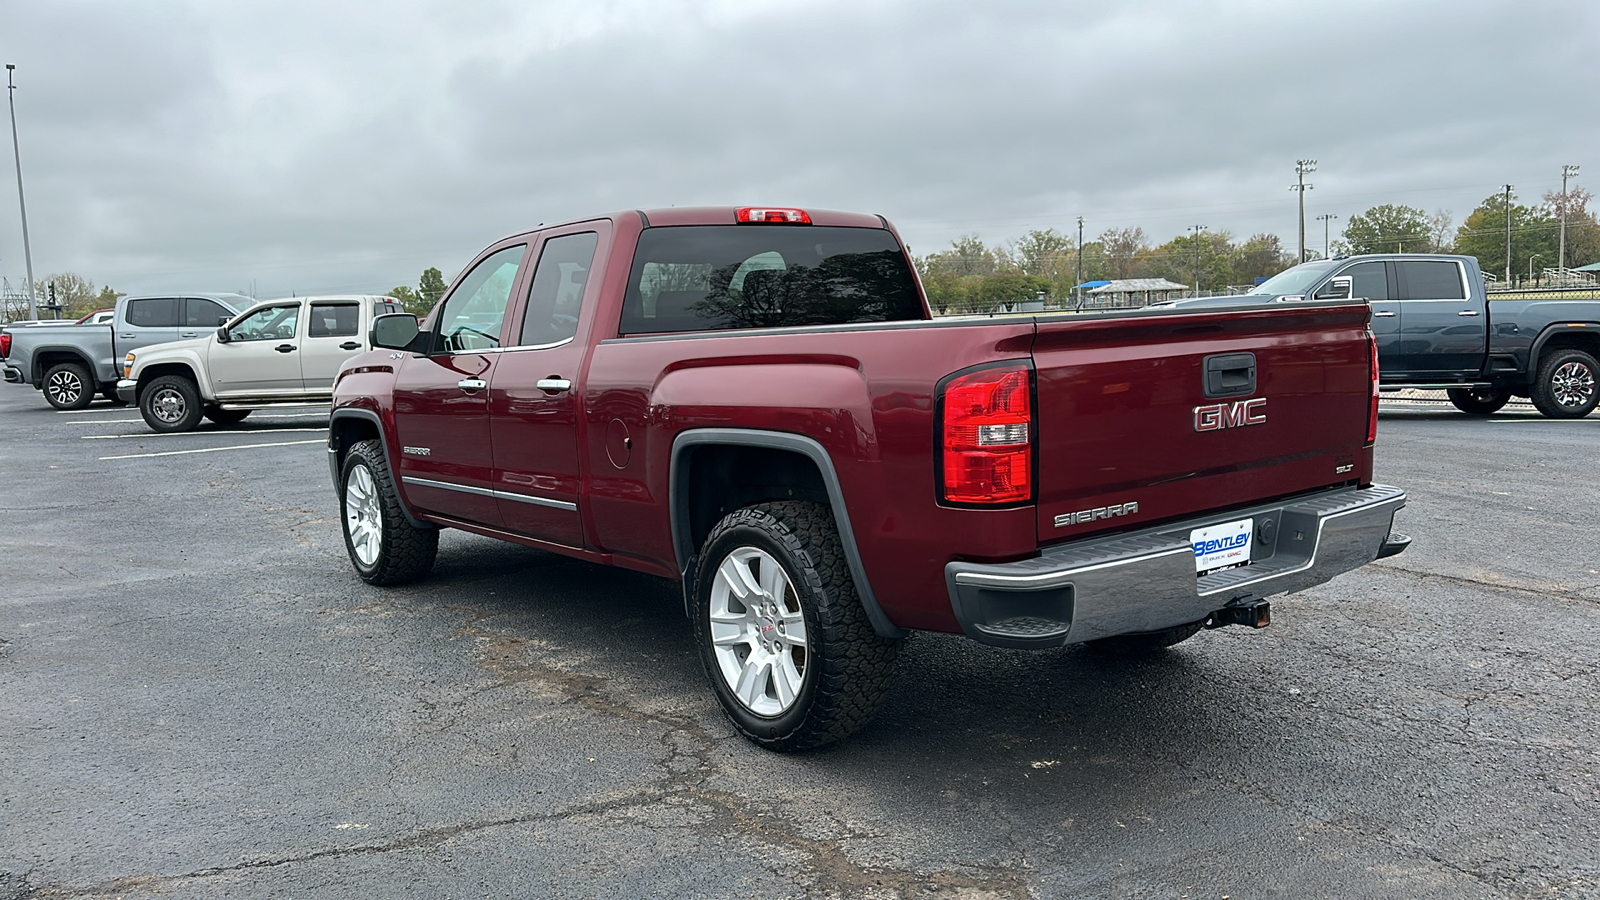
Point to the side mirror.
(1339, 287)
(395, 331)
(222, 334)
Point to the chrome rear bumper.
(1145, 580)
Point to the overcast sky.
(329, 146)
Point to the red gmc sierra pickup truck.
(757, 402)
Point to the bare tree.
(1441, 231)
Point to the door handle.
(349, 345)
(553, 384)
(1383, 315)
(284, 348)
(1467, 312)
(189, 334)
(472, 385)
(127, 337)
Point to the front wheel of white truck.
(785, 641)
(384, 546)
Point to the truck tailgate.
(1127, 433)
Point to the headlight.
(127, 366)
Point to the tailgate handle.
(1230, 375)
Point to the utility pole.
(1080, 260)
(1325, 218)
(1196, 229)
(27, 251)
(1302, 168)
(1508, 233)
(1561, 256)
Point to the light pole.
(27, 251)
(1561, 255)
(1302, 168)
(1508, 233)
(1196, 229)
(1080, 261)
(1325, 218)
(1530, 264)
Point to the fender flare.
(39, 368)
(368, 415)
(1550, 331)
(197, 373)
(682, 541)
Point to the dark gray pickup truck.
(1437, 329)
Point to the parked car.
(70, 363)
(1438, 329)
(98, 317)
(756, 403)
(276, 353)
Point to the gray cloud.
(330, 146)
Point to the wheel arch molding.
(1577, 336)
(351, 424)
(688, 459)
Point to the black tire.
(1147, 642)
(226, 416)
(846, 664)
(1479, 401)
(404, 552)
(68, 386)
(1565, 388)
(170, 404)
(110, 394)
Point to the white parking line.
(156, 434)
(210, 450)
(310, 410)
(309, 415)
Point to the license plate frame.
(1225, 545)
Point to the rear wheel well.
(724, 478)
(1567, 339)
(43, 362)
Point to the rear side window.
(334, 320)
(153, 312)
(718, 277)
(199, 312)
(1426, 280)
(557, 290)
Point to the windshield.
(1295, 280)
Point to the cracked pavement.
(198, 698)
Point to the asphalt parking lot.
(198, 698)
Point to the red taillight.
(5, 345)
(768, 214)
(1372, 413)
(987, 431)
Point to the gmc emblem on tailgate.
(1238, 414)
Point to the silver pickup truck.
(276, 353)
(72, 363)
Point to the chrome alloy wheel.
(363, 517)
(758, 633)
(64, 388)
(168, 405)
(1572, 384)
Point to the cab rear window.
(721, 277)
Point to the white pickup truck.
(276, 353)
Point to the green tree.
(1262, 256)
(1122, 248)
(409, 300)
(1389, 229)
(1210, 253)
(967, 256)
(107, 297)
(430, 287)
(1533, 236)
